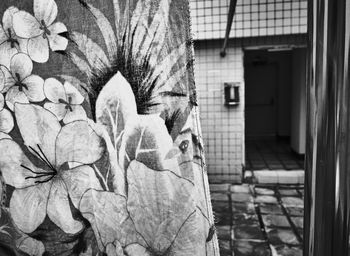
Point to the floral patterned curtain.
(100, 144)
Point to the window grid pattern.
(252, 18)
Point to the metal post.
(327, 179)
(231, 13)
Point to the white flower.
(44, 183)
(21, 86)
(10, 43)
(6, 119)
(65, 101)
(40, 30)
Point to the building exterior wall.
(256, 23)
(223, 127)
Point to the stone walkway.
(258, 221)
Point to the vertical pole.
(327, 184)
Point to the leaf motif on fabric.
(115, 106)
(109, 218)
(147, 140)
(159, 203)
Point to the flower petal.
(57, 28)
(23, 45)
(28, 206)
(136, 249)
(78, 181)
(2, 101)
(159, 203)
(45, 10)
(54, 90)
(58, 109)
(12, 160)
(6, 80)
(21, 65)
(14, 95)
(26, 25)
(57, 43)
(38, 127)
(3, 35)
(6, 121)
(78, 142)
(38, 49)
(58, 208)
(35, 86)
(77, 113)
(31, 246)
(4, 136)
(73, 94)
(6, 53)
(7, 19)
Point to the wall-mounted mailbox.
(232, 94)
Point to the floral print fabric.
(103, 157)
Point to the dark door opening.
(272, 96)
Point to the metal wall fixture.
(232, 93)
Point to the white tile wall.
(222, 126)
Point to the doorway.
(270, 85)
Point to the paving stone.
(219, 197)
(243, 207)
(293, 201)
(225, 247)
(248, 177)
(289, 251)
(222, 218)
(241, 197)
(222, 178)
(274, 209)
(301, 192)
(282, 236)
(264, 191)
(298, 221)
(295, 211)
(248, 232)
(224, 232)
(265, 177)
(219, 187)
(290, 177)
(288, 192)
(266, 199)
(275, 221)
(251, 248)
(301, 233)
(244, 188)
(221, 206)
(245, 219)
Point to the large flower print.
(44, 182)
(19, 83)
(6, 119)
(10, 43)
(65, 100)
(41, 30)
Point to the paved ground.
(258, 221)
(272, 154)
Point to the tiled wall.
(223, 127)
(252, 18)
